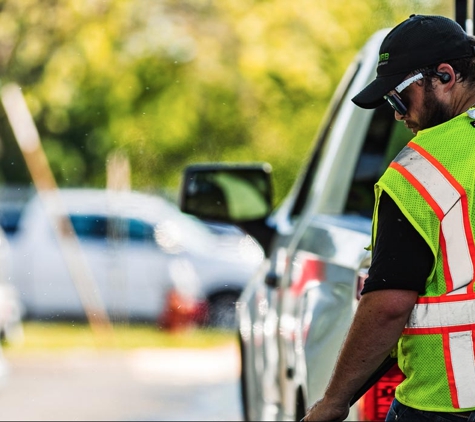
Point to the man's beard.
(435, 113)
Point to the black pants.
(401, 413)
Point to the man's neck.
(466, 99)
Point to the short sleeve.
(401, 257)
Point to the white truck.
(296, 310)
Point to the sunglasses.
(395, 100)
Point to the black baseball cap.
(418, 42)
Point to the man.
(419, 297)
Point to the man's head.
(415, 52)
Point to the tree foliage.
(171, 83)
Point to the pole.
(29, 142)
(470, 9)
(464, 10)
(118, 182)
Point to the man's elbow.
(391, 304)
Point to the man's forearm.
(376, 327)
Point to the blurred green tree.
(171, 83)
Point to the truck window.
(323, 135)
(385, 138)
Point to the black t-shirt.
(401, 258)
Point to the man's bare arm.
(375, 330)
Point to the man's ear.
(446, 75)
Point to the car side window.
(9, 219)
(89, 226)
(140, 231)
(101, 227)
(323, 138)
(384, 139)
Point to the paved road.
(139, 385)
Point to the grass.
(58, 336)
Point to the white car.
(138, 249)
(11, 309)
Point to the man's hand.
(378, 323)
(324, 411)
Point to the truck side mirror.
(239, 194)
(226, 192)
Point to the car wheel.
(222, 310)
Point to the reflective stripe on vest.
(454, 318)
(448, 200)
(451, 315)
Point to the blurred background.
(174, 82)
(114, 305)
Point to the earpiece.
(444, 77)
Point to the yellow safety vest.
(432, 180)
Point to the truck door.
(319, 286)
